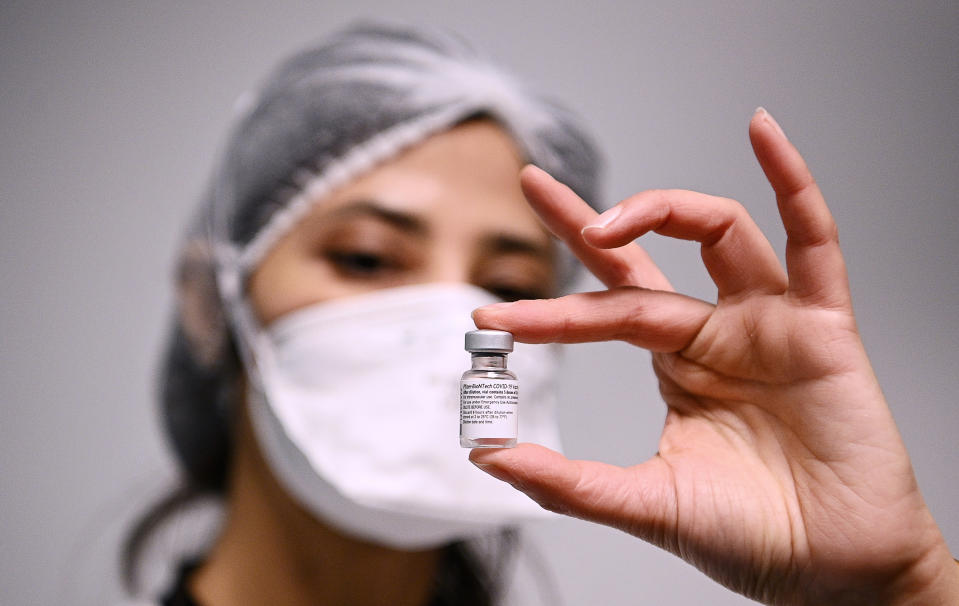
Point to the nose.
(449, 265)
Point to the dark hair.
(201, 439)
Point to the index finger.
(566, 214)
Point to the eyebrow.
(497, 243)
(507, 243)
(370, 208)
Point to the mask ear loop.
(256, 351)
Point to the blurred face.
(448, 210)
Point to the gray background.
(110, 116)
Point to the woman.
(780, 472)
(367, 202)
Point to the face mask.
(355, 405)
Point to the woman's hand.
(780, 471)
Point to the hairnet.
(321, 119)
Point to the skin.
(780, 471)
(448, 210)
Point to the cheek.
(284, 282)
(517, 277)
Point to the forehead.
(463, 180)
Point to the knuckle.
(735, 207)
(553, 505)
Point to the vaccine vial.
(489, 392)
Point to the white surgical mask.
(354, 403)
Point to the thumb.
(639, 499)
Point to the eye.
(515, 293)
(359, 263)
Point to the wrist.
(934, 581)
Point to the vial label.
(488, 408)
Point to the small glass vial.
(489, 393)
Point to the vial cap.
(498, 341)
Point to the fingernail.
(494, 306)
(603, 221)
(769, 119)
(491, 307)
(534, 168)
